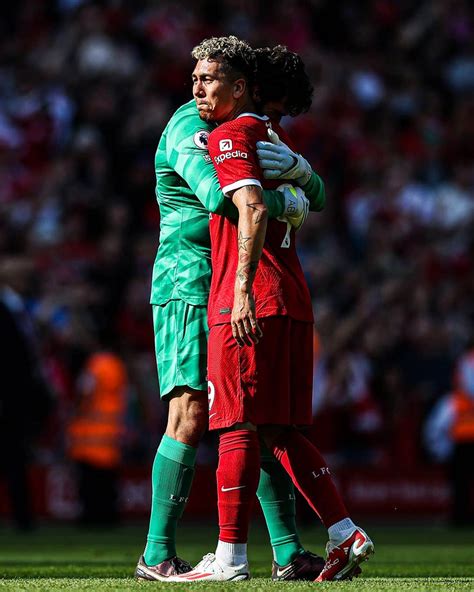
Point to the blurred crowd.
(85, 91)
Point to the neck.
(245, 106)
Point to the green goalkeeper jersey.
(183, 168)
(187, 189)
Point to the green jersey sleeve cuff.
(315, 192)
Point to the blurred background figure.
(25, 398)
(449, 436)
(96, 436)
(85, 90)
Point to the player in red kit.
(261, 323)
(282, 299)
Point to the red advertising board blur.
(367, 492)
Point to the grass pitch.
(63, 558)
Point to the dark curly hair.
(236, 55)
(281, 75)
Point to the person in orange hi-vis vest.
(449, 436)
(95, 436)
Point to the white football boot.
(212, 570)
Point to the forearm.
(209, 193)
(315, 192)
(273, 199)
(251, 231)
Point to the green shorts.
(181, 345)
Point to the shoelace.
(205, 561)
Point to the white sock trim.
(231, 553)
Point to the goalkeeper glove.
(278, 161)
(296, 205)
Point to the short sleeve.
(234, 157)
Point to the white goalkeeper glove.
(278, 161)
(296, 205)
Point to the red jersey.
(279, 286)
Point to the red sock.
(238, 474)
(310, 474)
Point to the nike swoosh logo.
(287, 571)
(232, 488)
(358, 544)
(212, 415)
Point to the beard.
(205, 115)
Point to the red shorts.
(270, 383)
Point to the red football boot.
(342, 562)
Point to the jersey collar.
(261, 117)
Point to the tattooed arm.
(251, 230)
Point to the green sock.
(171, 478)
(276, 495)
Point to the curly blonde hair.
(235, 55)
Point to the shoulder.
(246, 127)
(246, 123)
(186, 124)
(222, 129)
(186, 114)
(253, 125)
(252, 120)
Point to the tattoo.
(243, 240)
(246, 272)
(244, 258)
(259, 209)
(242, 276)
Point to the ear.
(239, 87)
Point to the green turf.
(62, 558)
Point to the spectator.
(96, 434)
(25, 399)
(391, 260)
(449, 436)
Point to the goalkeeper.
(187, 190)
